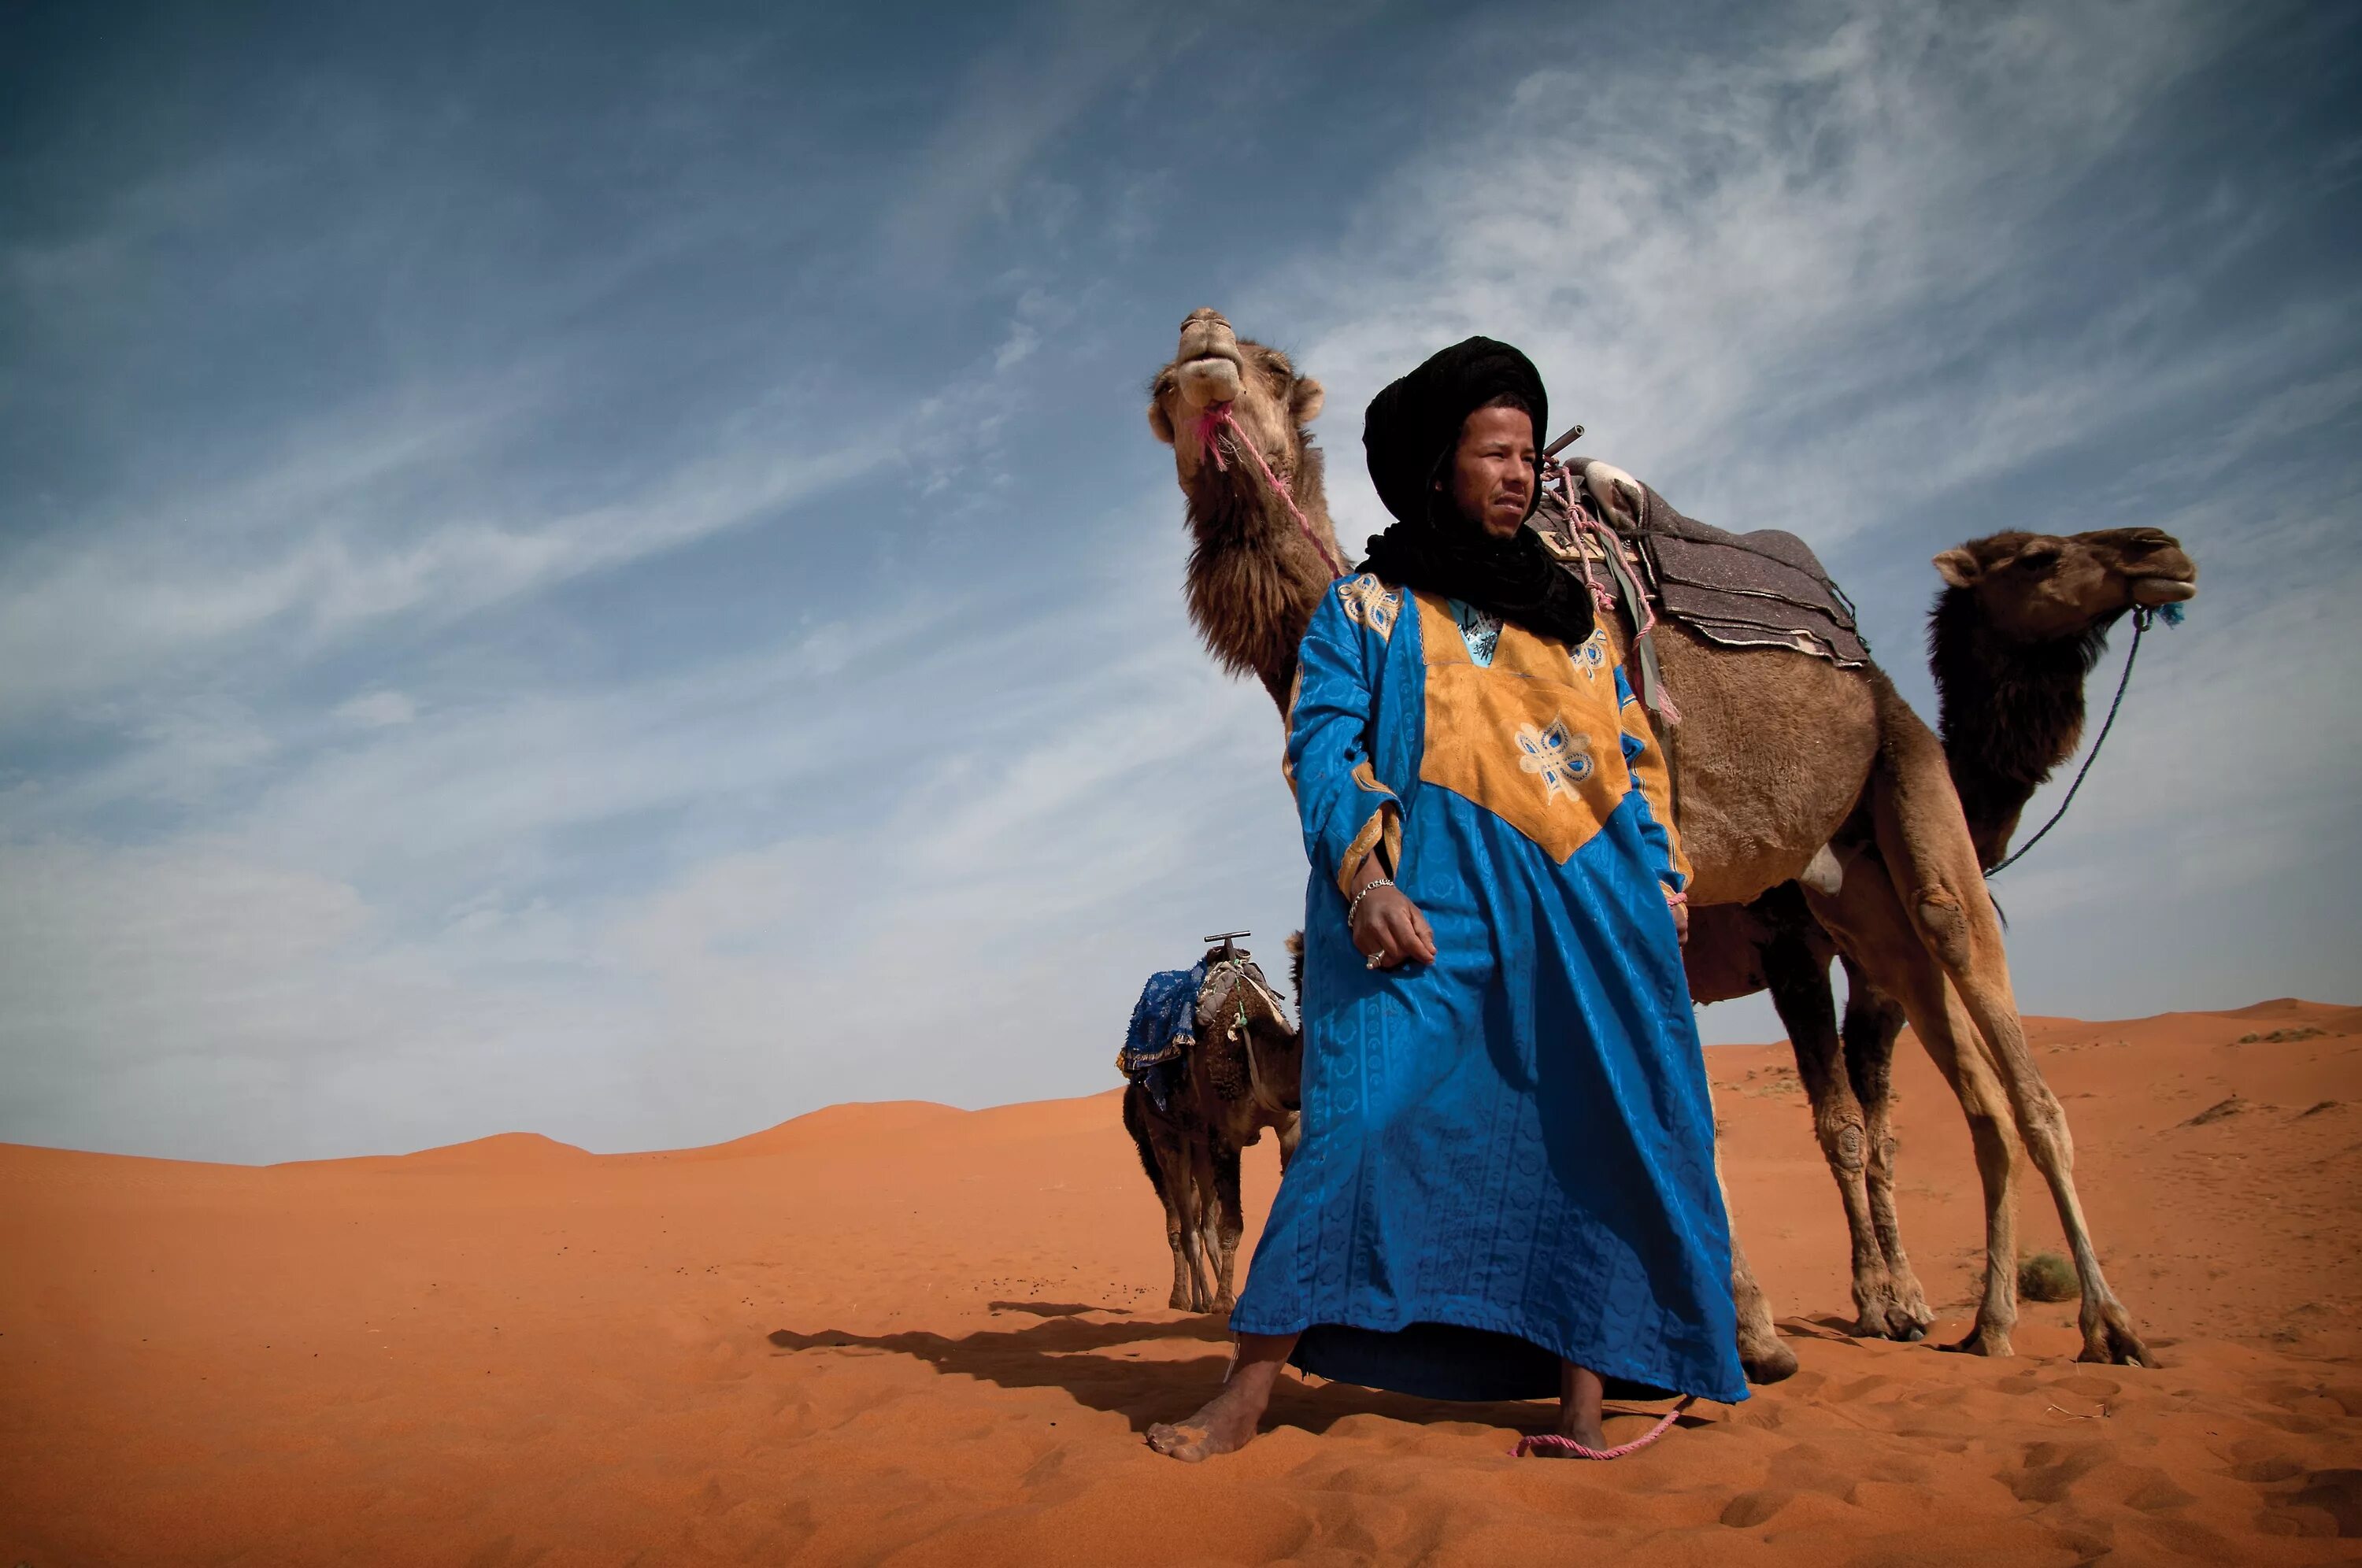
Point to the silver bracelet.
(1355, 906)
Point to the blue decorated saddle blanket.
(1163, 1027)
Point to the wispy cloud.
(661, 612)
(1751, 273)
(1008, 106)
(80, 615)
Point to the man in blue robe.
(1506, 1187)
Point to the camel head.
(1216, 368)
(2039, 588)
(1265, 550)
(1252, 1028)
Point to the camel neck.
(1253, 578)
(2009, 711)
(1230, 510)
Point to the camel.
(1783, 763)
(1243, 1078)
(2011, 641)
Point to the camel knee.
(2044, 1131)
(1844, 1141)
(1943, 921)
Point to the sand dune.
(913, 1334)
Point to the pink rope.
(1581, 520)
(1551, 1442)
(1218, 417)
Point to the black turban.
(1409, 435)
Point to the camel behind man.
(1781, 759)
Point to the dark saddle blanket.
(1742, 591)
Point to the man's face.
(1492, 472)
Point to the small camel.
(1780, 758)
(2011, 642)
(1242, 1077)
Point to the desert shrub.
(2047, 1277)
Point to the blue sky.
(602, 569)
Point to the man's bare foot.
(1590, 1433)
(1580, 1393)
(1226, 1425)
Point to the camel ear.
(1305, 401)
(1957, 568)
(1158, 422)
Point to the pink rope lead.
(1551, 1442)
(1218, 417)
(1581, 520)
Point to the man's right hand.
(1388, 927)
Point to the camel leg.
(1230, 1219)
(1925, 842)
(1179, 1192)
(1798, 978)
(1205, 1194)
(1156, 1158)
(1760, 1355)
(1872, 1023)
(1291, 1133)
(1867, 919)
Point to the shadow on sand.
(1092, 1363)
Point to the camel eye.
(2038, 560)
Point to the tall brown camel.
(1241, 1076)
(1779, 758)
(2010, 642)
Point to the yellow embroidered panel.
(1528, 739)
(1385, 823)
(1370, 602)
(1592, 659)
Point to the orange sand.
(906, 1333)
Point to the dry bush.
(2047, 1277)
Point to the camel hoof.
(1982, 1342)
(2116, 1345)
(1885, 1319)
(1775, 1365)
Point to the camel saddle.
(1764, 590)
(1177, 1006)
(1219, 1003)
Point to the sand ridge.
(912, 1334)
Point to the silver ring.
(1370, 961)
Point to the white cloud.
(1759, 279)
(377, 710)
(335, 542)
(1012, 101)
(941, 871)
(930, 844)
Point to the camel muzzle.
(1209, 380)
(2163, 590)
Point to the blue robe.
(1508, 1153)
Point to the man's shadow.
(1093, 1364)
